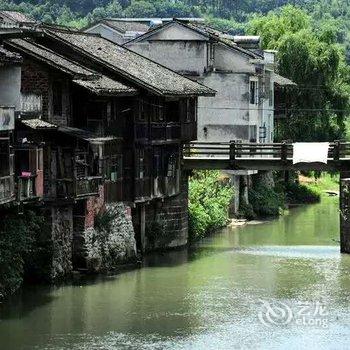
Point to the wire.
(274, 109)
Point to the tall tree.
(311, 58)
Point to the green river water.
(215, 296)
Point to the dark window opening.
(114, 168)
(173, 111)
(253, 92)
(4, 158)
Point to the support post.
(344, 213)
(232, 153)
(284, 151)
(336, 150)
(143, 227)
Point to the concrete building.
(235, 66)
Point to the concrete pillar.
(235, 183)
(345, 215)
(244, 188)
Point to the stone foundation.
(166, 220)
(62, 238)
(112, 242)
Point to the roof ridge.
(31, 41)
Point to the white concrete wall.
(107, 33)
(225, 116)
(181, 56)
(227, 59)
(10, 86)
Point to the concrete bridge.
(274, 156)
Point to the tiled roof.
(82, 76)
(282, 81)
(17, 16)
(103, 85)
(38, 124)
(125, 26)
(7, 56)
(49, 56)
(130, 65)
(202, 29)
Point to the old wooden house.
(101, 124)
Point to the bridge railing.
(236, 150)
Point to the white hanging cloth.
(310, 152)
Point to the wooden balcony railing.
(165, 131)
(77, 188)
(27, 188)
(86, 187)
(7, 189)
(165, 186)
(158, 131)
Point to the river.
(278, 285)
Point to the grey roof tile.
(82, 76)
(130, 65)
(8, 56)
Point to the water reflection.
(201, 298)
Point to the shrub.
(266, 201)
(20, 238)
(209, 199)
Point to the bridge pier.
(345, 212)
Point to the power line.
(274, 110)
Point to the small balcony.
(86, 187)
(157, 132)
(78, 188)
(165, 132)
(7, 189)
(28, 188)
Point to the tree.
(311, 58)
(140, 8)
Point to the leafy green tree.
(312, 59)
(140, 8)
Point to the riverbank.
(208, 209)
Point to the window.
(57, 97)
(191, 109)
(252, 133)
(81, 165)
(141, 164)
(4, 158)
(254, 99)
(114, 169)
